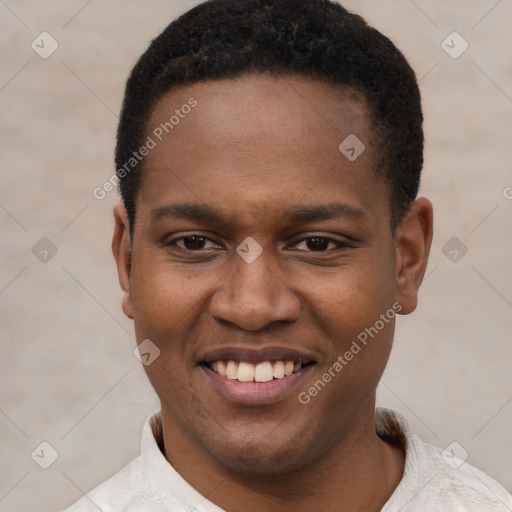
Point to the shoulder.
(116, 493)
(147, 484)
(129, 490)
(438, 480)
(457, 483)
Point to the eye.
(320, 243)
(194, 242)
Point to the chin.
(263, 456)
(255, 462)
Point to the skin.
(254, 148)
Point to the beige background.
(68, 375)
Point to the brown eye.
(317, 244)
(320, 244)
(194, 243)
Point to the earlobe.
(121, 248)
(413, 240)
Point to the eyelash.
(339, 244)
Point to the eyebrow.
(188, 211)
(316, 213)
(298, 214)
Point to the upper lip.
(252, 355)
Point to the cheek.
(161, 296)
(165, 312)
(356, 307)
(354, 297)
(171, 309)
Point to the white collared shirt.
(431, 482)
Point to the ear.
(413, 239)
(121, 247)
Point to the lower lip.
(256, 393)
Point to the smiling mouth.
(264, 371)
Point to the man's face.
(262, 153)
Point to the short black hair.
(221, 39)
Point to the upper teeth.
(260, 372)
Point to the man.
(269, 155)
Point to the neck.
(359, 474)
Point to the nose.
(252, 296)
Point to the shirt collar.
(389, 426)
(163, 476)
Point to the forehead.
(294, 102)
(263, 138)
